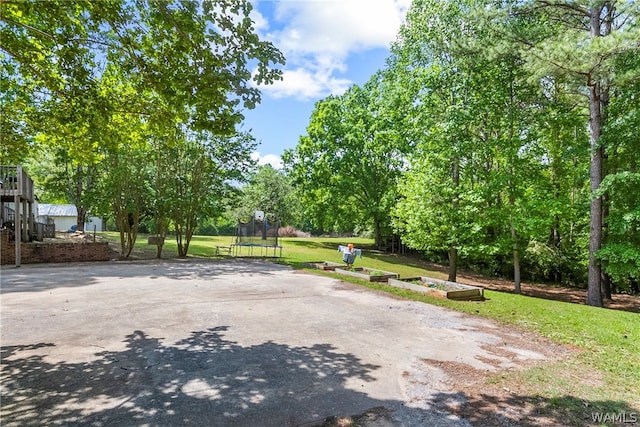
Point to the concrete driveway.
(227, 343)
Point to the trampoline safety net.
(257, 233)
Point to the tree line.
(500, 136)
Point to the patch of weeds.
(375, 272)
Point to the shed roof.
(57, 210)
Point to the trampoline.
(258, 238)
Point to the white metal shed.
(66, 216)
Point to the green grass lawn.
(296, 252)
(603, 375)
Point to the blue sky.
(329, 45)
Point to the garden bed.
(440, 288)
(324, 265)
(368, 274)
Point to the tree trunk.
(594, 293)
(453, 251)
(377, 232)
(555, 275)
(81, 215)
(181, 253)
(453, 264)
(605, 283)
(81, 212)
(160, 214)
(516, 260)
(127, 224)
(605, 280)
(516, 246)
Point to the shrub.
(287, 231)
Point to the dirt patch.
(483, 398)
(498, 399)
(374, 417)
(577, 296)
(75, 237)
(484, 404)
(623, 302)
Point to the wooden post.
(24, 225)
(17, 234)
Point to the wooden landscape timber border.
(459, 291)
(361, 273)
(324, 265)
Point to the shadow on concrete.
(43, 277)
(206, 380)
(201, 380)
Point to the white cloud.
(259, 22)
(338, 26)
(317, 36)
(269, 159)
(307, 83)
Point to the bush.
(287, 231)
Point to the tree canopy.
(195, 56)
(348, 164)
(270, 191)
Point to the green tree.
(466, 177)
(562, 138)
(485, 136)
(347, 165)
(69, 135)
(125, 174)
(430, 209)
(197, 172)
(270, 191)
(580, 43)
(16, 117)
(620, 252)
(194, 55)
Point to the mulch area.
(578, 296)
(558, 293)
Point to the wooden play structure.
(17, 216)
